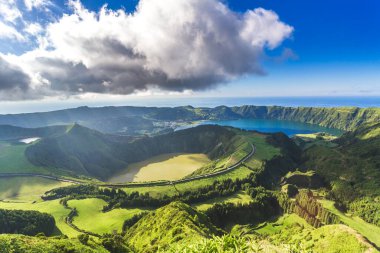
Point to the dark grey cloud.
(12, 77)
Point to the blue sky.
(325, 48)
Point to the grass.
(370, 231)
(280, 223)
(264, 151)
(168, 225)
(240, 172)
(157, 191)
(91, 218)
(26, 188)
(51, 207)
(163, 167)
(13, 160)
(29, 244)
(239, 197)
(293, 230)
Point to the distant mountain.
(8, 132)
(174, 223)
(140, 120)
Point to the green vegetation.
(307, 206)
(53, 208)
(237, 198)
(26, 244)
(306, 141)
(296, 235)
(90, 210)
(26, 188)
(13, 160)
(25, 222)
(176, 222)
(300, 179)
(352, 167)
(263, 206)
(162, 167)
(370, 231)
(170, 190)
(368, 208)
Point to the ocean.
(43, 106)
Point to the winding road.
(159, 183)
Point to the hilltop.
(171, 224)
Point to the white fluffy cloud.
(9, 10)
(9, 32)
(168, 44)
(30, 4)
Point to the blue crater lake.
(290, 128)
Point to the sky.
(96, 50)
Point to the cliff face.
(345, 118)
(306, 206)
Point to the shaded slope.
(85, 151)
(354, 165)
(174, 223)
(79, 149)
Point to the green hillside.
(79, 149)
(27, 244)
(174, 223)
(353, 170)
(354, 164)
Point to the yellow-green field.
(26, 188)
(370, 231)
(158, 191)
(163, 167)
(53, 207)
(13, 160)
(91, 218)
(237, 198)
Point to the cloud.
(172, 45)
(9, 32)
(30, 4)
(14, 83)
(9, 10)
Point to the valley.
(162, 167)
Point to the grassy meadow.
(162, 167)
(58, 211)
(13, 160)
(156, 191)
(26, 188)
(290, 229)
(91, 218)
(237, 198)
(370, 231)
